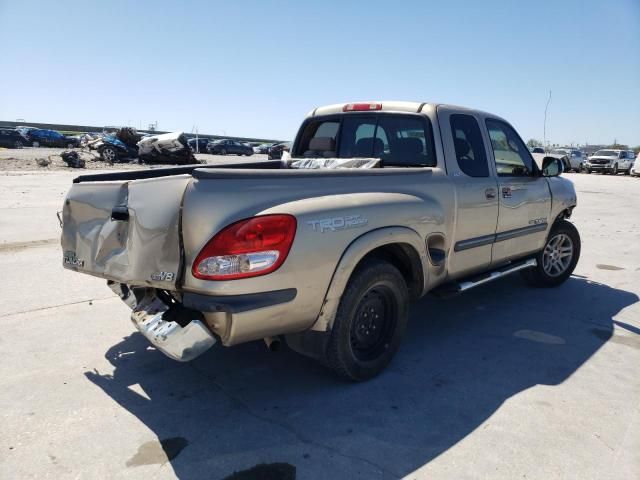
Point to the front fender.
(354, 253)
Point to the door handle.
(490, 193)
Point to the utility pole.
(544, 128)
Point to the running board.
(496, 274)
(459, 287)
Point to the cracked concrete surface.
(504, 382)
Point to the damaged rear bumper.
(178, 332)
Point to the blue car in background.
(51, 138)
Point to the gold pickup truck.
(377, 204)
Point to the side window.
(623, 155)
(511, 155)
(468, 144)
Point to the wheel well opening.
(565, 214)
(405, 258)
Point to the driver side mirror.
(552, 167)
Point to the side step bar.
(491, 276)
(462, 286)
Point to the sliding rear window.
(398, 140)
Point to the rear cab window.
(468, 145)
(396, 139)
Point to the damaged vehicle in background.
(378, 204)
(275, 151)
(117, 146)
(574, 157)
(263, 148)
(170, 148)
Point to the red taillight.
(361, 107)
(248, 248)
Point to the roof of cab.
(390, 106)
(386, 106)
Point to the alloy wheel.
(557, 255)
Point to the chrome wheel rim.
(557, 255)
(108, 154)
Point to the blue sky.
(251, 68)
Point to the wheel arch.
(400, 246)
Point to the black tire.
(615, 170)
(223, 152)
(361, 344)
(18, 144)
(542, 275)
(71, 145)
(588, 170)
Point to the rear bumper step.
(175, 331)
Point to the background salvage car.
(51, 138)
(574, 157)
(275, 151)
(611, 161)
(11, 138)
(198, 145)
(226, 147)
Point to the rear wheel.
(223, 152)
(557, 260)
(369, 323)
(18, 144)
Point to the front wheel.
(557, 260)
(109, 154)
(615, 170)
(18, 144)
(588, 170)
(223, 152)
(370, 322)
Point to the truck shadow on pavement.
(238, 408)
